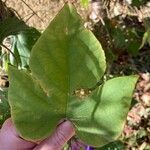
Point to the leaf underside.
(65, 63)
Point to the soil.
(36, 13)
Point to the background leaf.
(11, 26)
(116, 145)
(22, 44)
(4, 106)
(85, 3)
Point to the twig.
(32, 10)
(29, 17)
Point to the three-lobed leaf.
(66, 62)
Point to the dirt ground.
(39, 13)
(36, 13)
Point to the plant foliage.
(66, 63)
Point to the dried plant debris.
(136, 133)
(143, 89)
(4, 81)
(114, 8)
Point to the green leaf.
(67, 56)
(22, 44)
(116, 145)
(66, 63)
(85, 3)
(138, 3)
(133, 47)
(11, 26)
(22, 39)
(100, 118)
(118, 37)
(146, 38)
(31, 109)
(4, 107)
